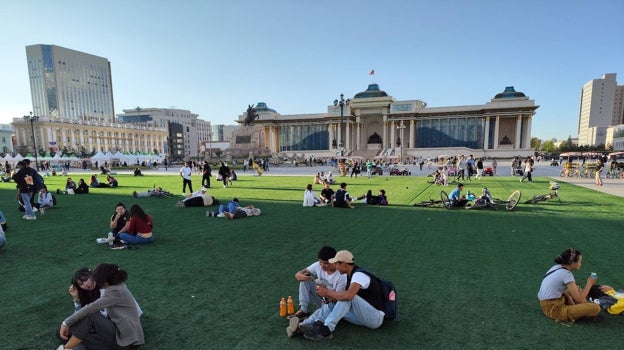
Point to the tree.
(536, 143)
(548, 146)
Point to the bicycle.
(511, 202)
(569, 172)
(544, 197)
(428, 204)
(615, 173)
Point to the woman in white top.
(560, 297)
(310, 199)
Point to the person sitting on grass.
(485, 198)
(112, 182)
(320, 271)
(310, 199)
(456, 198)
(70, 186)
(137, 172)
(242, 212)
(200, 198)
(230, 207)
(45, 200)
(342, 198)
(118, 221)
(327, 194)
(119, 329)
(138, 230)
(94, 182)
(3, 221)
(560, 297)
(82, 187)
(317, 179)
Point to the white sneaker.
(221, 215)
(110, 238)
(31, 217)
(25, 217)
(35, 209)
(42, 211)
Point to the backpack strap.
(546, 275)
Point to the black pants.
(187, 182)
(206, 180)
(96, 332)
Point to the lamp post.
(32, 119)
(342, 103)
(401, 127)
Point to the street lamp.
(401, 127)
(342, 102)
(32, 119)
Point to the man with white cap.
(200, 198)
(361, 303)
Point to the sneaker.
(101, 240)
(209, 213)
(180, 204)
(118, 246)
(220, 215)
(301, 315)
(32, 217)
(25, 217)
(319, 332)
(293, 327)
(35, 209)
(307, 328)
(42, 211)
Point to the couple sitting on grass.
(341, 198)
(341, 290)
(131, 228)
(106, 315)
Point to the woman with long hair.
(138, 230)
(122, 326)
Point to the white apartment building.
(195, 132)
(601, 107)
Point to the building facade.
(6, 138)
(601, 106)
(69, 84)
(374, 123)
(72, 97)
(187, 133)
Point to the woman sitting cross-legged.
(138, 230)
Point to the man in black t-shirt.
(342, 198)
(327, 194)
(207, 173)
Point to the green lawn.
(466, 279)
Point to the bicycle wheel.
(513, 200)
(562, 173)
(445, 200)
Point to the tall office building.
(70, 85)
(601, 106)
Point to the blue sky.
(216, 57)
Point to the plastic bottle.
(290, 306)
(283, 307)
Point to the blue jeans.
(132, 239)
(357, 311)
(307, 293)
(27, 206)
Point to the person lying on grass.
(122, 325)
(243, 212)
(200, 198)
(608, 298)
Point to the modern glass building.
(70, 85)
(374, 123)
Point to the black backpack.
(389, 294)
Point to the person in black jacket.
(24, 178)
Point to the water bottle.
(283, 307)
(290, 307)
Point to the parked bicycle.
(554, 186)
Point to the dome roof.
(509, 92)
(262, 107)
(372, 91)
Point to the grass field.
(466, 279)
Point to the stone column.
(412, 134)
(517, 143)
(358, 134)
(332, 135)
(527, 132)
(385, 131)
(348, 145)
(393, 135)
(486, 137)
(496, 125)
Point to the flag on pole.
(372, 72)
